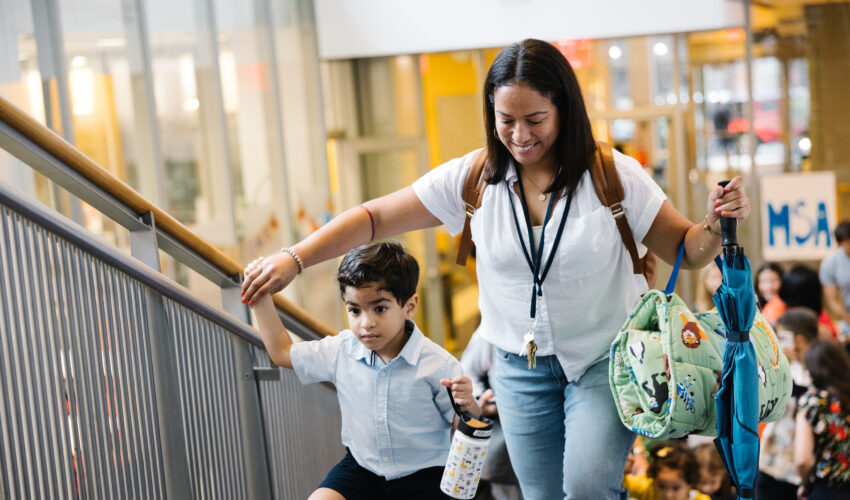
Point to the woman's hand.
(731, 201)
(462, 393)
(268, 275)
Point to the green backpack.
(666, 362)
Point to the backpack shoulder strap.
(609, 189)
(473, 191)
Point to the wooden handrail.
(85, 166)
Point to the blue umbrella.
(737, 399)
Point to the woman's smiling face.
(527, 124)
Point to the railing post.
(254, 449)
(143, 247)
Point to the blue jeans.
(565, 439)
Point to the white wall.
(367, 28)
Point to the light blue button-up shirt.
(396, 417)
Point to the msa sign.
(797, 216)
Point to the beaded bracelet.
(294, 256)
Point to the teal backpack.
(666, 361)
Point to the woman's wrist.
(713, 229)
(291, 252)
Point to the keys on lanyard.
(529, 346)
(534, 260)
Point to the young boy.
(390, 380)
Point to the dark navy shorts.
(354, 482)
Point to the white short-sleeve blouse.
(590, 289)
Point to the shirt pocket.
(592, 245)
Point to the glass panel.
(102, 112)
(20, 83)
(799, 109)
(193, 137)
(621, 94)
(661, 64)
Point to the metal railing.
(117, 382)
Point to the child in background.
(768, 281)
(390, 380)
(778, 478)
(713, 477)
(673, 474)
(822, 447)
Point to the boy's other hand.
(462, 393)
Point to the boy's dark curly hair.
(386, 264)
(675, 455)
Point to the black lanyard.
(534, 259)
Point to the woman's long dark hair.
(542, 67)
(828, 364)
(767, 266)
(801, 287)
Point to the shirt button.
(381, 419)
(386, 459)
(383, 374)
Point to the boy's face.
(377, 319)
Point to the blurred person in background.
(835, 277)
(778, 478)
(768, 280)
(713, 476)
(673, 474)
(498, 481)
(801, 287)
(709, 280)
(822, 441)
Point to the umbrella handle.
(728, 226)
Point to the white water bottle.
(467, 454)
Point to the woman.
(560, 424)
(822, 448)
(768, 283)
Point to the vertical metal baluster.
(89, 419)
(129, 390)
(216, 402)
(252, 433)
(35, 394)
(188, 406)
(101, 356)
(23, 391)
(143, 246)
(8, 418)
(205, 436)
(92, 358)
(59, 341)
(69, 328)
(117, 337)
(51, 380)
(150, 437)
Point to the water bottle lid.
(475, 426)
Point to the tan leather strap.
(609, 189)
(473, 191)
